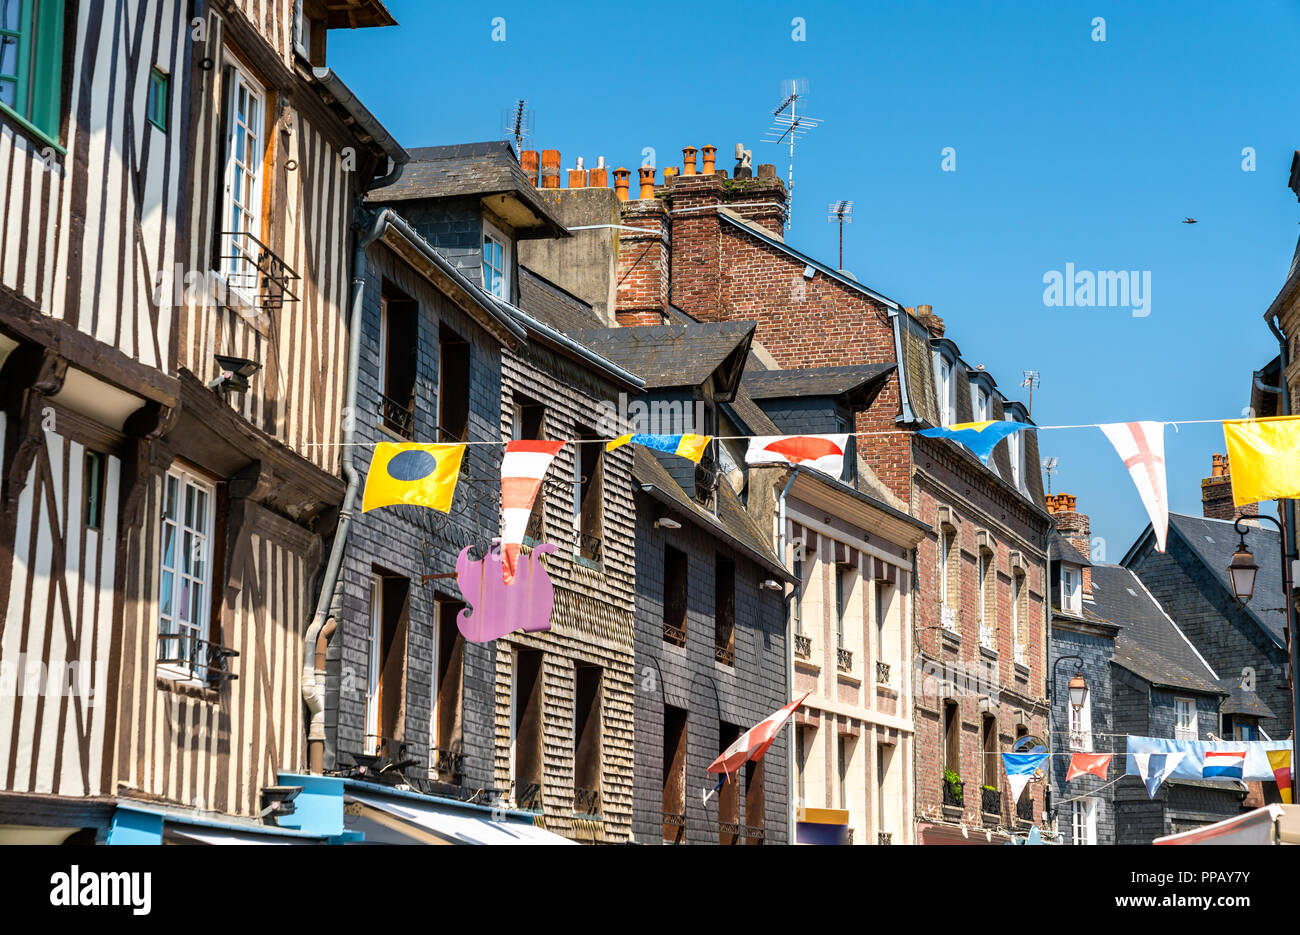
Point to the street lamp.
(1078, 688)
(1242, 568)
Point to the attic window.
(496, 262)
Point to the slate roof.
(551, 305)
(756, 421)
(859, 380)
(675, 355)
(1064, 551)
(1148, 644)
(1213, 541)
(1244, 701)
(489, 168)
(733, 522)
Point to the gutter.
(366, 122)
(907, 415)
(565, 342)
(789, 663)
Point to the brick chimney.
(550, 168)
(1076, 529)
(926, 316)
(642, 268)
(1216, 493)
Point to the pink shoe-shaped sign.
(496, 608)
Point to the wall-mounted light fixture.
(666, 522)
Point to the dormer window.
(1070, 596)
(945, 387)
(496, 262)
(980, 403)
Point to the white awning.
(1257, 827)
(396, 821)
(194, 834)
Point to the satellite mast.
(1031, 380)
(788, 127)
(841, 211)
(1049, 468)
(517, 122)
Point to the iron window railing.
(990, 801)
(674, 634)
(725, 655)
(198, 659)
(802, 646)
(448, 764)
(844, 659)
(882, 673)
(528, 796)
(257, 273)
(590, 547)
(586, 801)
(884, 837)
(953, 794)
(674, 827)
(397, 418)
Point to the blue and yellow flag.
(420, 475)
(980, 437)
(686, 446)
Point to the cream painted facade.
(850, 617)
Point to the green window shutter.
(15, 56)
(47, 68)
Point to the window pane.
(9, 13)
(169, 508)
(165, 597)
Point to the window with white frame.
(1185, 719)
(374, 669)
(1081, 725)
(1016, 454)
(1083, 821)
(1070, 596)
(945, 388)
(496, 262)
(796, 604)
(980, 402)
(185, 574)
(947, 560)
(1018, 631)
(987, 603)
(245, 147)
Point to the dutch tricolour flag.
(1223, 764)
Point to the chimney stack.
(622, 181)
(578, 176)
(710, 159)
(550, 168)
(928, 319)
(647, 183)
(599, 176)
(688, 160)
(528, 162)
(1216, 493)
(1076, 529)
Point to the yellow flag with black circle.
(412, 473)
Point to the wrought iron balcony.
(990, 801)
(590, 547)
(528, 796)
(397, 418)
(674, 634)
(1025, 807)
(535, 533)
(882, 673)
(586, 801)
(674, 827)
(448, 766)
(755, 834)
(953, 793)
(254, 274)
(844, 659)
(729, 832)
(802, 646)
(884, 837)
(192, 658)
(725, 655)
(848, 835)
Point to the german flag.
(419, 475)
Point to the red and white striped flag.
(1141, 445)
(522, 470)
(823, 453)
(753, 743)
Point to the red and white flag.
(1141, 446)
(753, 743)
(1088, 764)
(823, 453)
(522, 470)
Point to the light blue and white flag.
(1155, 768)
(1021, 768)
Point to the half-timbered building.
(180, 180)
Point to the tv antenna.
(517, 121)
(788, 127)
(1031, 380)
(1049, 468)
(841, 211)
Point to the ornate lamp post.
(1241, 572)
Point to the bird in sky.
(1189, 220)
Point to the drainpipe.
(322, 625)
(907, 416)
(789, 662)
(1288, 543)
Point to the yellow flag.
(1264, 458)
(421, 475)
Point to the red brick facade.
(809, 318)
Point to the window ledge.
(950, 638)
(190, 688)
(385, 430)
(30, 129)
(848, 677)
(988, 653)
(1022, 671)
(588, 563)
(807, 665)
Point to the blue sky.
(1067, 151)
